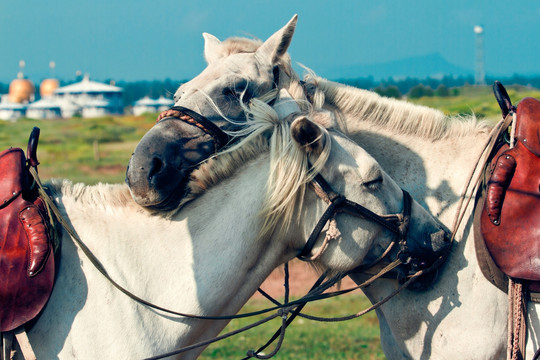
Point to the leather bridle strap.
(191, 117)
(396, 223)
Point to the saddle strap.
(517, 320)
(8, 345)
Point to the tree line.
(431, 86)
(390, 87)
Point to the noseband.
(396, 223)
(191, 117)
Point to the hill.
(430, 65)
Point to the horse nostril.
(155, 167)
(447, 238)
(440, 241)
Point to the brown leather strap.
(195, 119)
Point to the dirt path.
(301, 277)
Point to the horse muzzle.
(158, 171)
(425, 254)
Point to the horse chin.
(169, 203)
(161, 201)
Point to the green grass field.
(478, 100)
(83, 150)
(98, 150)
(305, 339)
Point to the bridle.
(192, 118)
(395, 223)
(337, 203)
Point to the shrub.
(419, 91)
(390, 91)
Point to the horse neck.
(435, 172)
(222, 221)
(426, 152)
(206, 260)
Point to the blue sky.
(159, 39)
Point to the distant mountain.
(431, 65)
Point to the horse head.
(237, 71)
(369, 205)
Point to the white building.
(46, 108)
(86, 98)
(93, 98)
(11, 111)
(147, 105)
(96, 108)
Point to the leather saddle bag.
(510, 219)
(27, 264)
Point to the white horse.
(253, 211)
(431, 155)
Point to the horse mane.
(265, 134)
(103, 196)
(236, 45)
(395, 115)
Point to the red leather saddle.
(27, 266)
(510, 219)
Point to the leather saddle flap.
(12, 175)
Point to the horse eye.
(374, 184)
(229, 92)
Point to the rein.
(282, 310)
(396, 223)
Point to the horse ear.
(211, 45)
(307, 134)
(276, 45)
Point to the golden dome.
(21, 90)
(47, 87)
